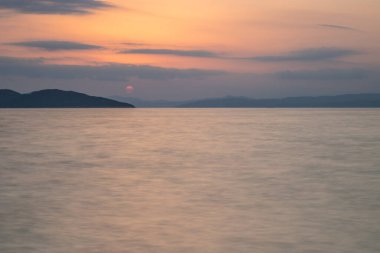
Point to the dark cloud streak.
(312, 54)
(186, 53)
(37, 68)
(134, 44)
(63, 7)
(339, 27)
(51, 45)
(304, 55)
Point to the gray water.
(189, 180)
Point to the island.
(54, 98)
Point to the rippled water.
(189, 180)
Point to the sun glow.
(129, 89)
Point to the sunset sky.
(176, 49)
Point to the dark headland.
(53, 98)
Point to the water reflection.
(189, 180)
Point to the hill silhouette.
(339, 101)
(54, 98)
(7, 95)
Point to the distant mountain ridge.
(53, 98)
(338, 101)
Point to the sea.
(189, 180)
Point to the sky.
(177, 49)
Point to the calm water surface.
(189, 180)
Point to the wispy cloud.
(312, 54)
(134, 44)
(324, 74)
(54, 6)
(186, 53)
(53, 45)
(37, 68)
(338, 27)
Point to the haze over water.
(189, 180)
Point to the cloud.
(37, 68)
(134, 44)
(187, 53)
(63, 7)
(311, 54)
(51, 45)
(325, 74)
(339, 27)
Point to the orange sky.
(231, 29)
